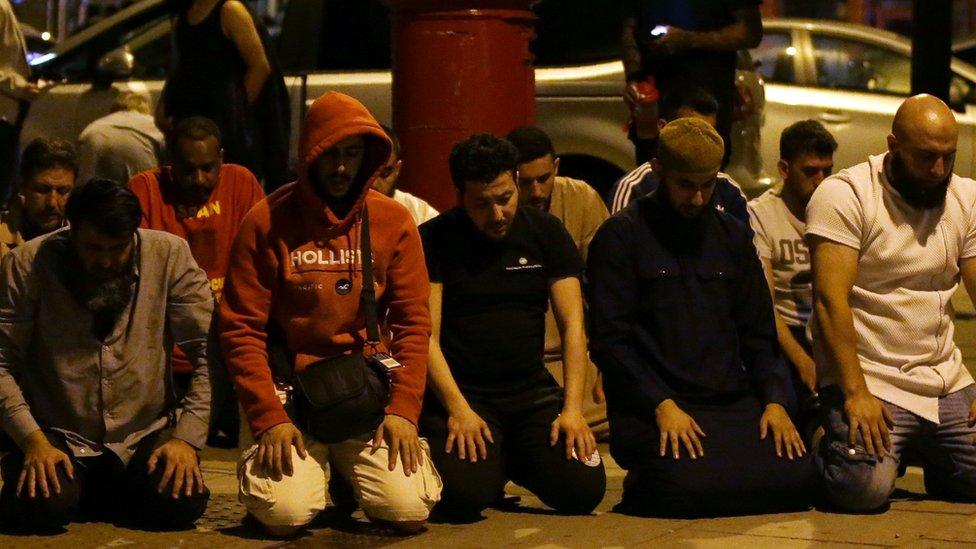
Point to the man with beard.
(203, 200)
(88, 316)
(494, 268)
(778, 219)
(697, 392)
(294, 285)
(581, 210)
(890, 240)
(48, 170)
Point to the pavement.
(911, 521)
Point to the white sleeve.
(969, 244)
(760, 238)
(835, 213)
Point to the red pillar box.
(459, 67)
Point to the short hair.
(110, 207)
(481, 157)
(43, 154)
(531, 143)
(195, 128)
(694, 98)
(806, 137)
(393, 139)
(131, 101)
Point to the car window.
(776, 57)
(152, 51)
(848, 64)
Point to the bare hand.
(182, 467)
(274, 449)
(632, 96)
(402, 440)
(39, 473)
(578, 435)
(785, 435)
(599, 397)
(470, 432)
(680, 428)
(868, 416)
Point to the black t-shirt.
(496, 293)
(712, 70)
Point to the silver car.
(579, 78)
(852, 78)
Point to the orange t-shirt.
(210, 229)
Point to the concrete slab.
(700, 539)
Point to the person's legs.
(145, 504)
(388, 497)
(854, 480)
(40, 514)
(948, 451)
(469, 488)
(9, 156)
(762, 482)
(285, 506)
(569, 486)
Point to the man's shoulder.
(448, 221)
(160, 241)
(768, 202)
(386, 211)
(236, 171)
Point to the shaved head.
(922, 150)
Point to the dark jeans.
(103, 489)
(520, 424)
(738, 474)
(856, 481)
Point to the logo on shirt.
(523, 265)
(343, 286)
(324, 257)
(198, 212)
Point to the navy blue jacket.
(694, 325)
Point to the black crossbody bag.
(343, 397)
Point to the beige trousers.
(382, 494)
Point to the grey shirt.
(103, 395)
(14, 70)
(118, 146)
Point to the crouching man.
(88, 318)
(297, 268)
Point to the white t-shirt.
(779, 238)
(419, 210)
(908, 270)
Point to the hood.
(332, 118)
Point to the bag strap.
(367, 298)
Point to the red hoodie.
(292, 261)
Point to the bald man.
(683, 331)
(890, 238)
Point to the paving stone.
(695, 538)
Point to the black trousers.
(103, 489)
(520, 424)
(739, 473)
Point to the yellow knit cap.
(690, 146)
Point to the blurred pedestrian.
(16, 92)
(121, 144)
(224, 69)
(48, 171)
(685, 43)
(388, 178)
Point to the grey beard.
(108, 296)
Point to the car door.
(782, 65)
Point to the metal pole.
(932, 47)
(62, 20)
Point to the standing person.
(202, 200)
(121, 144)
(224, 69)
(296, 276)
(386, 183)
(687, 43)
(778, 219)
(15, 94)
(496, 413)
(581, 210)
(697, 391)
(88, 316)
(891, 238)
(48, 171)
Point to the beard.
(916, 193)
(678, 232)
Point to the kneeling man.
(88, 318)
(697, 391)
